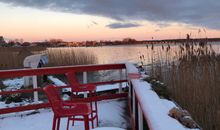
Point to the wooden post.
(35, 86)
(85, 81)
(140, 118)
(120, 84)
(133, 104)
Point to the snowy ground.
(111, 114)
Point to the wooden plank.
(58, 70)
(24, 108)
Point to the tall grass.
(13, 57)
(192, 76)
(70, 56)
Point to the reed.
(69, 56)
(192, 75)
(13, 57)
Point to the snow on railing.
(144, 102)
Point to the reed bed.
(13, 57)
(191, 73)
(70, 56)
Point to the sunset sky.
(80, 20)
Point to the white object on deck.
(34, 61)
(108, 128)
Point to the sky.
(81, 20)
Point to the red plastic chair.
(76, 87)
(63, 109)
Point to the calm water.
(118, 54)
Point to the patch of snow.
(58, 82)
(13, 84)
(131, 68)
(168, 104)
(108, 128)
(110, 114)
(110, 87)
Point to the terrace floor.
(112, 113)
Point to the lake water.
(132, 53)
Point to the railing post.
(129, 89)
(140, 118)
(35, 86)
(85, 81)
(133, 104)
(120, 84)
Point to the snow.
(56, 81)
(33, 61)
(110, 115)
(131, 68)
(155, 109)
(113, 115)
(13, 84)
(168, 104)
(108, 128)
(110, 87)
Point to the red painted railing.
(56, 70)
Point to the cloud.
(163, 24)
(122, 25)
(196, 12)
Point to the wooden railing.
(58, 70)
(140, 119)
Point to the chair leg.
(68, 122)
(96, 111)
(86, 122)
(58, 124)
(73, 120)
(92, 116)
(54, 123)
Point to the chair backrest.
(54, 98)
(73, 81)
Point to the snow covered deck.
(43, 119)
(143, 102)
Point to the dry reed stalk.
(194, 81)
(12, 57)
